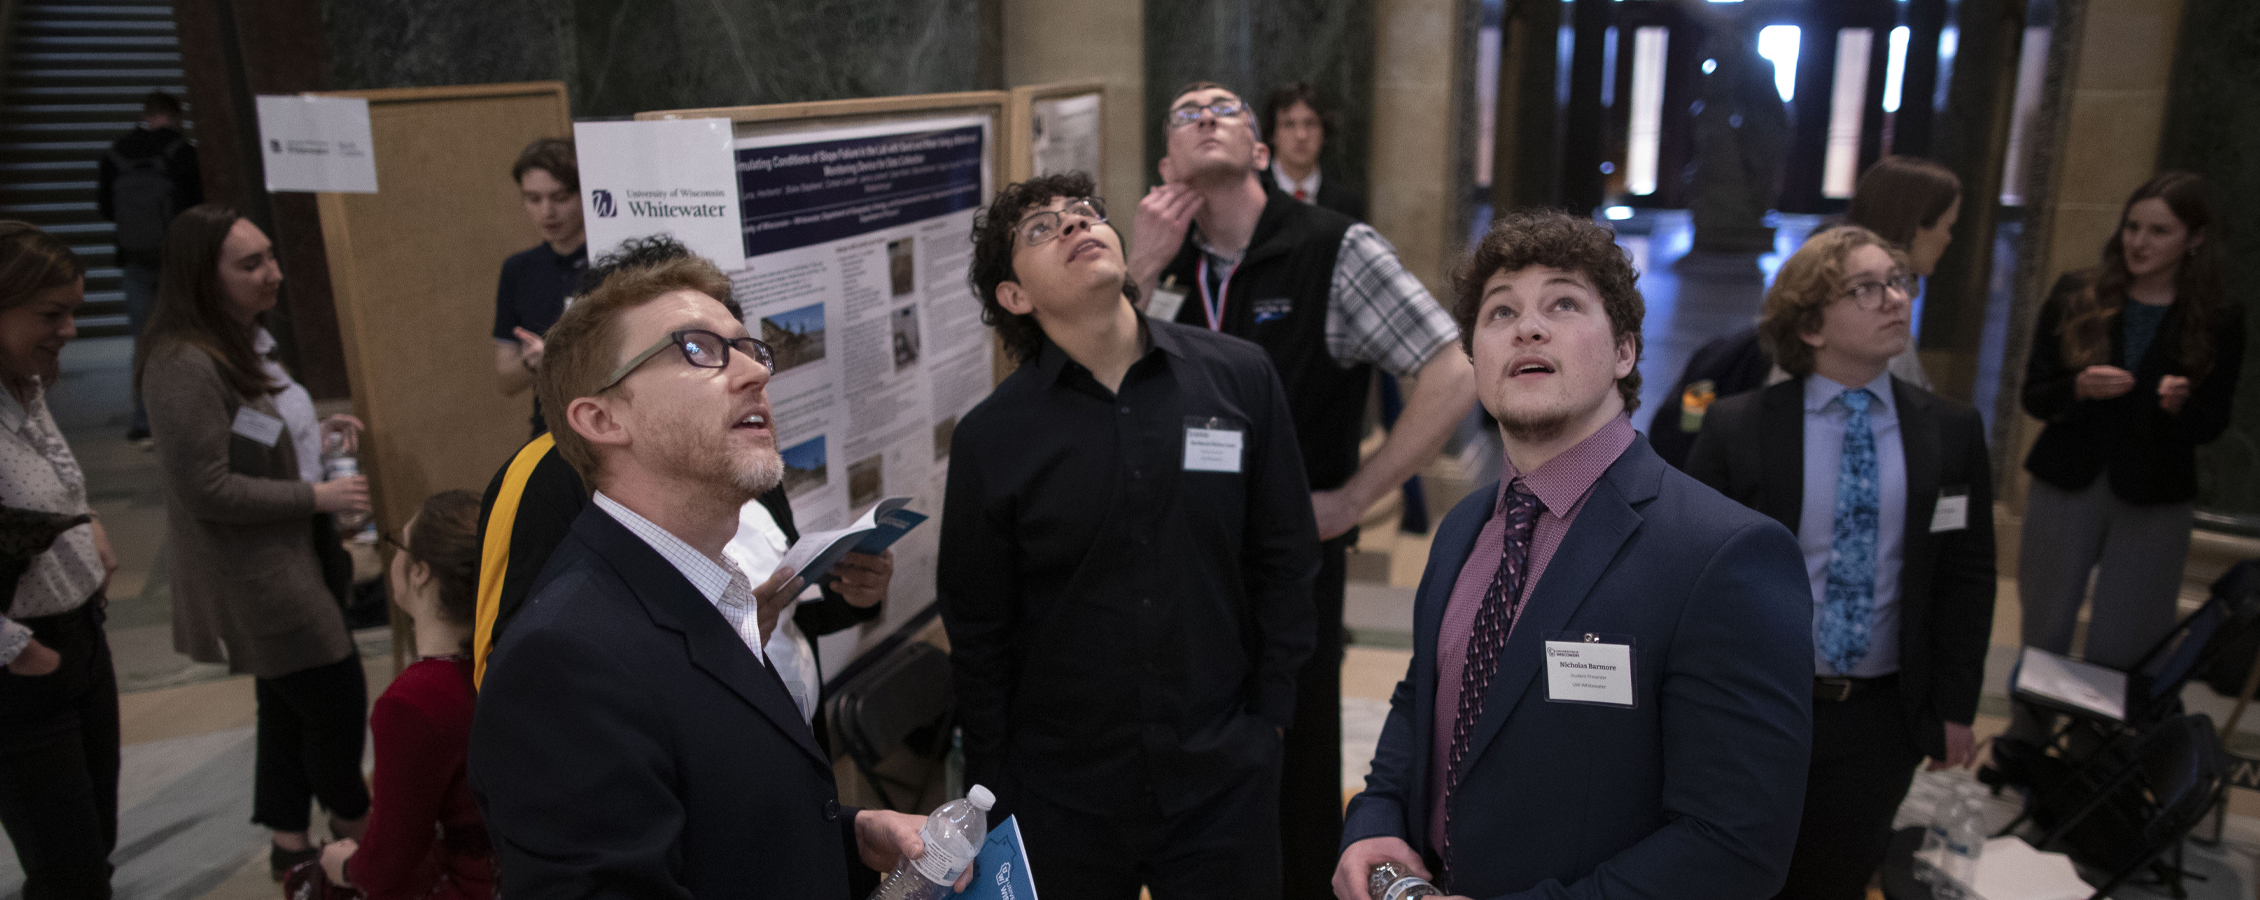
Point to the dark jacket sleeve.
(2206, 414)
(2049, 382)
(1279, 555)
(187, 175)
(1963, 584)
(105, 175)
(977, 589)
(552, 499)
(574, 773)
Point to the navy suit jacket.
(628, 744)
(1693, 793)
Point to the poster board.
(1056, 127)
(857, 217)
(413, 268)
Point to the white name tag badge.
(1211, 445)
(1165, 303)
(1589, 668)
(257, 426)
(1951, 514)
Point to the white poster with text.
(856, 243)
(317, 144)
(672, 176)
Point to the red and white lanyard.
(1214, 307)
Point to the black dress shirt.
(1122, 630)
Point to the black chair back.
(2129, 807)
(901, 705)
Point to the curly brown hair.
(1526, 238)
(992, 256)
(1809, 281)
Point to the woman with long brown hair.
(239, 457)
(58, 690)
(2134, 365)
(425, 839)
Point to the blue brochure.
(814, 554)
(1003, 867)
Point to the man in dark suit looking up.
(631, 738)
(1610, 690)
(1888, 487)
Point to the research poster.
(856, 243)
(1065, 135)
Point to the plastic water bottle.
(336, 464)
(1390, 881)
(953, 836)
(1956, 836)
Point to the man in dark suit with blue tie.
(631, 738)
(1611, 685)
(1888, 487)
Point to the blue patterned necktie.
(1849, 606)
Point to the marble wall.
(1253, 46)
(2213, 128)
(619, 57)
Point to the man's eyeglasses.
(1222, 109)
(701, 348)
(1869, 295)
(1042, 227)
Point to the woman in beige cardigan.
(238, 448)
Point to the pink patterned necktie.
(1493, 621)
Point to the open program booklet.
(815, 553)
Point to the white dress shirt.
(709, 576)
(756, 550)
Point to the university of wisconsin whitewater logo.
(603, 200)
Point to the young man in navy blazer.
(1893, 507)
(1611, 685)
(631, 738)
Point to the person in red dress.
(422, 726)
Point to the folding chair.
(900, 706)
(2151, 693)
(2126, 810)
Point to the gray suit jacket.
(247, 588)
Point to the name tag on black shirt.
(1211, 446)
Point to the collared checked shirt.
(1377, 312)
(38, 472)
(1125, 628)
(1563, 484)
(710, 577)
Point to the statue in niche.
(1741, 135)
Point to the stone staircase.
(74, 76)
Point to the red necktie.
(1493, 621)
(1302, 195)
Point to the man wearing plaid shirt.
(1218, 246)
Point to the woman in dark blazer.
(2134, 365)
(238, 452)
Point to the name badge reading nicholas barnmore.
(1588, 668)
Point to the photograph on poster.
(795, 336)
(804, 466)
(906, 337)
(864, 481)
(899, 275)
(944, 429)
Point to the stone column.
(1062, 40)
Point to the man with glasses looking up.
(632, 737)
(1220, 248)
(1888, 488)
(1126, 558)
